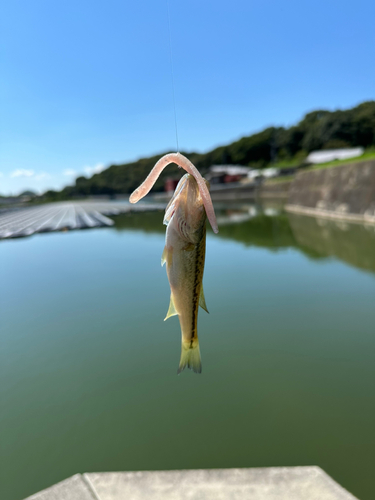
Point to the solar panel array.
(26, 221)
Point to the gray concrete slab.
(274, 483)
(269, 483)
(74, 488)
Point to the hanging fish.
(185, 248)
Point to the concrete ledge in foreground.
(271, 483)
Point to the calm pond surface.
(88, 367)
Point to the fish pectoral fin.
(166, 255)
(189, 247)
(202, 300)
(172, 310)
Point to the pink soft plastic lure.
(186, 164)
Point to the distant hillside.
(319, 129)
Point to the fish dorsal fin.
(172, 310)
(202, 300)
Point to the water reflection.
(88, 365)
(269, 226)
(351, 243)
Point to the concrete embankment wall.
(230, 192)
(275, 190)
(345, 192)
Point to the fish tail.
(190, 357)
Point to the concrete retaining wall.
(275, 190)
(345, 192)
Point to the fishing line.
(172, 73)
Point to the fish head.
(187, 204)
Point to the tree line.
(320, 129)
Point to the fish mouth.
(190, 190)
(186, 196)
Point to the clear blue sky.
(84, 84)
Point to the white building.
(327, 155)
(230, 169)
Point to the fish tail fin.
(190, 357)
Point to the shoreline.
(328, 214)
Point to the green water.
(88, 367)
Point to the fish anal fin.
(172, 309)
(202, 300)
